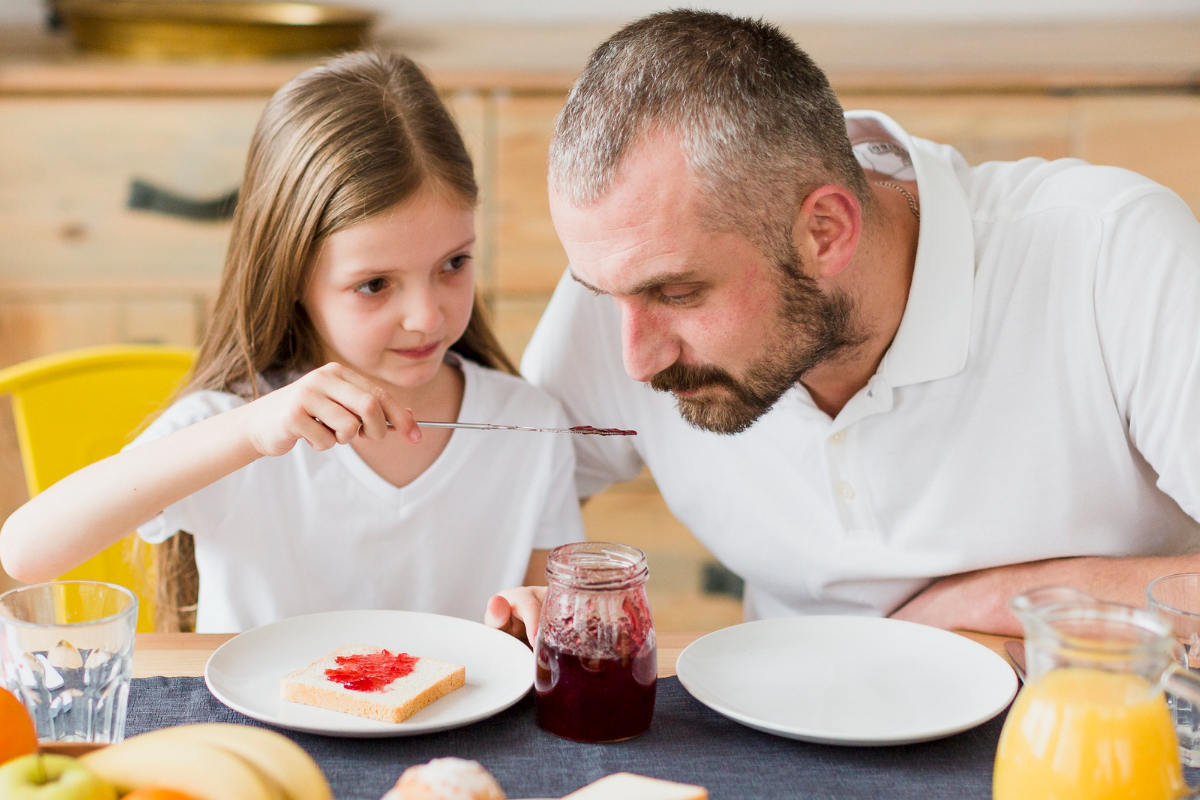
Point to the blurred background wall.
(549, 11)
(1110, 81)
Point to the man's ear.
(827, 229)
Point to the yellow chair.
(77, 407)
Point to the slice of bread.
(395, 702)
(627, 786)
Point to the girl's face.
(389, 295)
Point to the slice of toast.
(395, 701)
(627, 786)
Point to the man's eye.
(457, 263)
(677, 298)
(373, 286)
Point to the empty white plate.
(847, 680)
(245, 672)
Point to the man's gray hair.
(757, 120)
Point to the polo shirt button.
(845, 490)
(838, 437)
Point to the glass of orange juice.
(1092, 721)
(1177, 598)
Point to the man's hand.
(973, 601)
(978, 601)
(516, 611)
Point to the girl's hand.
(330, 405)
(516, 611)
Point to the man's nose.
(646, 344)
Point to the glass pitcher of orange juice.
(1091, 722)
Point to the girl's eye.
(456, 263)
(373, 286)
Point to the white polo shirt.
(1041, 398)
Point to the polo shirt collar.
(934, 334)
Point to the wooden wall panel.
(65, 171)
(30, 329)
(472, 115)
(529, 258)
(515, 319)
(982, 127)
(1154, 135)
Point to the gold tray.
(212, 28)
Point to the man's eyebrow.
(653, 282)
(584, 283)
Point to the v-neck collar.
(443, 468)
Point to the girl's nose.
(421, 311)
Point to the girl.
(308, 487)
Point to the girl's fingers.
(517, 611)
(406, 425)
(498, 613)
(315, 433)
(374, 406)
(343, 423)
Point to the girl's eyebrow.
(368, 270)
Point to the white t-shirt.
(1041, 399)
(316, 531)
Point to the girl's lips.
(418, 352)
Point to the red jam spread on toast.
(371, 672)
(602, 431)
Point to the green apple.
(38, 777)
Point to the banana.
(200, 770)
(273, 754)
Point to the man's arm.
(978, 601)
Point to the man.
(869, 378)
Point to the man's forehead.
(643, 222)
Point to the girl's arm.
(95, 507)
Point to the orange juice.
(1085, 734)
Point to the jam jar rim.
(582, 565)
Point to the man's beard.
(811, 328)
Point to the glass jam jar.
(597, 660)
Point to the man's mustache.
(685, 378)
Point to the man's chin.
(715, 416)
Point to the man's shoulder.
(1033, 186)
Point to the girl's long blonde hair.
(336, 145)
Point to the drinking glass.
(66, 649)
(1177, 598)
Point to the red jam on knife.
(602, 431)
(371, 672)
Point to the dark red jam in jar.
(597, 660)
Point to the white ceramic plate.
(245, 672)
(847, 680)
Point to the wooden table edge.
(185, 654)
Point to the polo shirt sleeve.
(575, 355)
(1147, 302)
(207, 508)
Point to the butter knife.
(1016, 652)
(586, 430)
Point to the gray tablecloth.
(687, 742)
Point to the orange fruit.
(17, 734)
(156, 793)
